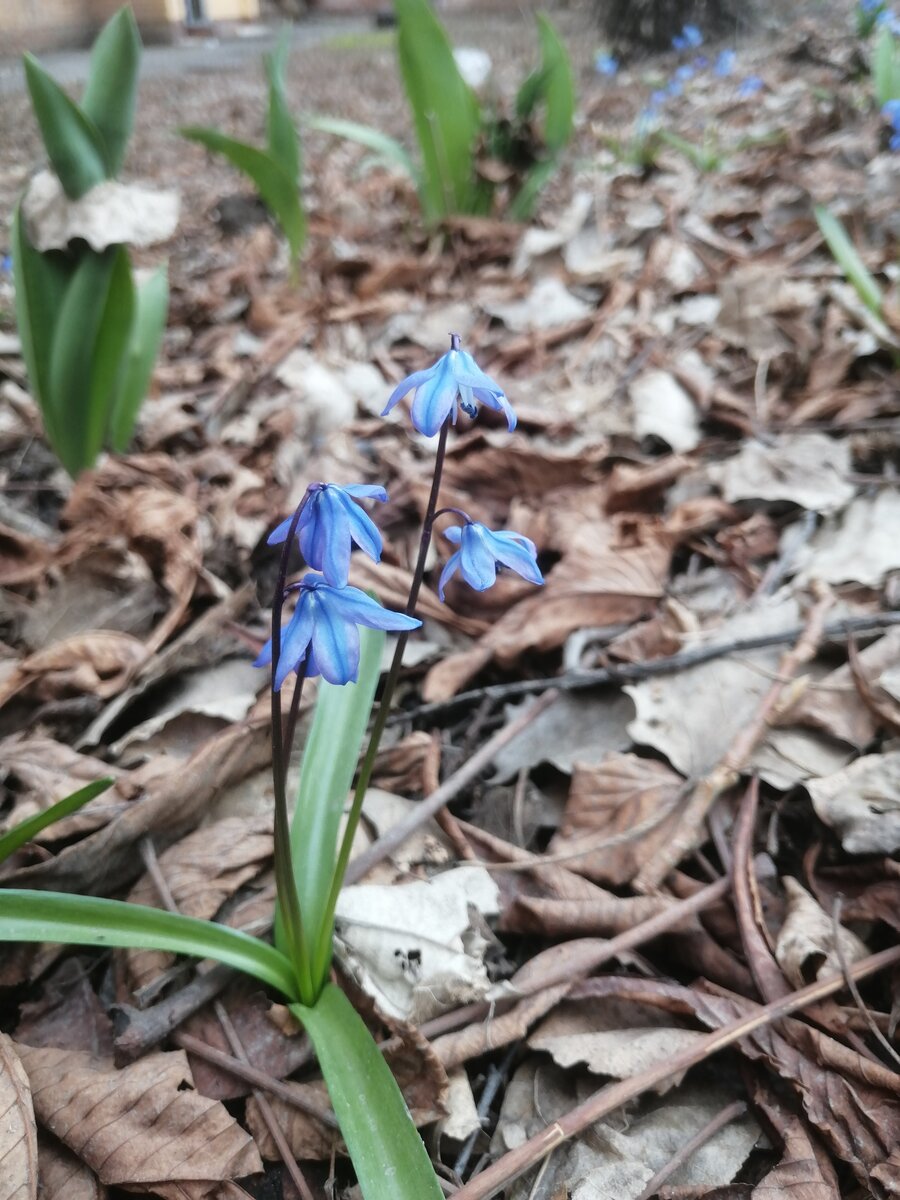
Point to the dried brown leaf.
(18, 1132)
(142, 1127)
(63, 1176)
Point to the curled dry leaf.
(143, 1127)
(100, 663)
(806, 948)
(18, 1132)
(664, 409)
(63, 1176)
(862, 803)
(201, 870)
(808, 469)
(23, 558)
(111, 213)
(805, 1171)
(624, 801)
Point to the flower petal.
(434, 401)
(477, 562)
(335, 537)
(364, 491)
(354, 605)
(361, 529)
(453, 534)
(279, 533)
(335, 645)
(450, 568)
(405, 386)
(295, 639)
(517, 558)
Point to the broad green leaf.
(110, 97)
(847, 258)
(886, 68)
(26, 831)
(150, 309)
(445, 110)
(73, 143)
(329, 763)
(383, 144)
(275, 187)
(388, 1154)
(522, 205)
(41, 281)
(281, 131)
(27, 916)
(559, 89)
(531, 93)
(75, 339)
(110, 353)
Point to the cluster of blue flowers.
(322, 635)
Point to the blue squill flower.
(689, 38)
(658, 98)
(455, 378)
(6, 264)
(685, 73)
(322, 634)
(750, 86)
(329, 525)
(725, 63)
(605, 64)
(891, 111)
(480, 552)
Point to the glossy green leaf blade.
(277, 190)
(14, 839)
(886, 68)
(72, 358)
(329, 763)
(73, 143)
(41, 282)
(387, 1152)
(445, 110)
(559, 87)
(28, 916)
(383, 144)
(110, 97)
(151, 304)
(110, 353)
(848, 259)
(281, 131)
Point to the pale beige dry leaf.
(664, 409)
(625, 800)
(579, 728)
(18, 1131)
(108, 214)
(858, 545)
(862, 803)
(806, 948)
(808, 469)
(62, 1175)
(142, 1127)
(201, 870)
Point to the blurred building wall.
(68, 24)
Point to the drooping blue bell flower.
(606, 64)
(323, 635)
(689, 38)
(329, 525)
(455, 379)
(480, 552)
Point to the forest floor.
(700, 816)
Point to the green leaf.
(559, 89)
(275, 187)
(531, 93)
(388, 1155)
(886, 68)
(329, 763)
(110, 97)
(27, 831)
(522, 205)
(81, 429)
(383, 144)
(41, 281)
(73, 143)
(281, 132)
(445, 111)
(150, 309)
(847, 258)
(27, 916)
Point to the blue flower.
(689, 38)
(605, 64)
(658, 98)
(869, 6)
(891, 112)
(888, 19)
(685, 73)
(480, 552)
(456, 376)
(322, 633)
(329, 525)
(6, 264)
(725, 63)
(750, 86)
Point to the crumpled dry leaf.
(548, 303)
(412, 947)
(99, 664)
(462, 1116)
(805, 1172)
(862, 803)
(202, 870)
(63, 1176)
(111, 213)
(808, 469)
(806, 948)
(18, 1131)
(580, 727)
(143, 1127)
(664, 409)
(858, 545)
(23, 557)
(624, 799)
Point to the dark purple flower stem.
(286, 888)
(323, 949)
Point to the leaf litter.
(707, 445)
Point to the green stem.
(323, 949)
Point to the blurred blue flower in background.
(725, 63)
(480, 552)
(750, 86)
(605, 64)
(891, 111)
(689, 38)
